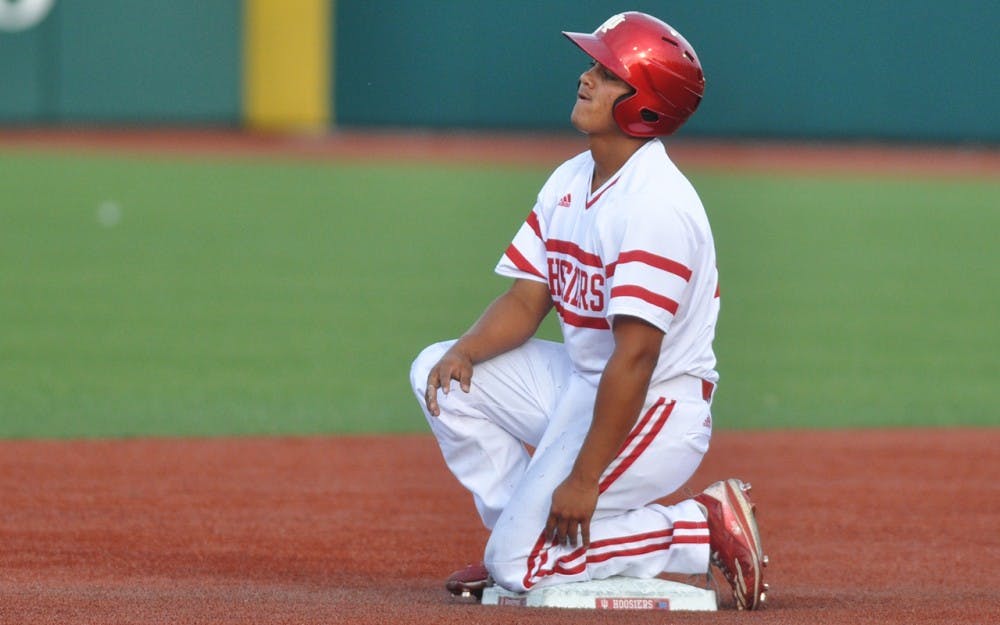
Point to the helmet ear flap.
(623, 97)
(624, 108)
(634, 118)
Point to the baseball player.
(567, 446)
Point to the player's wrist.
(583, 476)
(460, 350)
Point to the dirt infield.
(862, 527)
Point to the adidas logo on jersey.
(566, 200)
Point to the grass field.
(143, 296)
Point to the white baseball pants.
(531, 396)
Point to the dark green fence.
(896, 69)
(888, 69)
(130, 61)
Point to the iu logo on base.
(631, 603)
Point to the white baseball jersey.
(640, 245)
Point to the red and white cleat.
(735, 540)
(469, 583)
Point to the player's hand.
(454, 365)
(573, 504)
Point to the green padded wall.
(888, 69)
(125, 61)
(913, 69)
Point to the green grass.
(857, 302)
(282, 297)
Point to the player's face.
(596, 95)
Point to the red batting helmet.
(657, 62)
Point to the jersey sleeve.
(525, 256)
(652, 268)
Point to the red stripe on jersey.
(559, 565)
(561, 568)
(644, 443)
(653, 260)
(531, 561)
(628, 546)
(521, 262)
(594, 199)
(640, 425)
(660, 262)
(646, 295)
(690, 525)
(635, 538)
(572, 249)
(532, 221)
(581, 321)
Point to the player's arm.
(507, 323)
(620, 396)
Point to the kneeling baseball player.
(619, 413)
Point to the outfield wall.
(124, 61)
(891, 69)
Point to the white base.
(614, 593)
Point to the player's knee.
(507, 574)
(507, 565)
(422, 366)
(423, 363)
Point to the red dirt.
(862, 527)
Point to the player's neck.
(610, 152)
